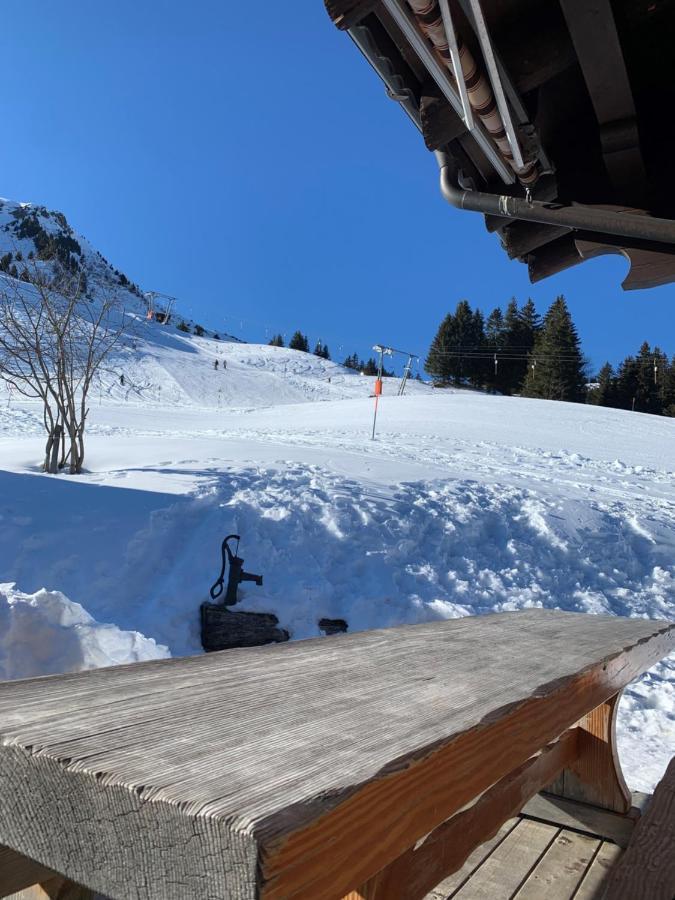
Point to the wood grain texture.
(453, 882)
(595, 879)
(561, 869)
(18, 872)
(508, 866)
(230, 774)
(595, 777)
(647, 869)
(445, 850)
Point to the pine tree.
(530, 323)
(668, 389)
(437, 363)
(476, 366)
(463, 340)
(277, 341)
(556, 360)
(321, 350)
(646, 396)
(495, 338)
(299, 342)
(605, 392)
(326, 352)
(513, 369)
(626, 383)
(494, 329)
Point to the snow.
(465, 504)
(46, 630)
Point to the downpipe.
(576, 216)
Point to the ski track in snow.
(466, 504)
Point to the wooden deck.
(530, 860)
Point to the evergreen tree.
(453, 352)
(604, 394)
(668, 389)
(321, 350)
(199, 331)
(277, 341)
(556, 360)
(299, 342)
(462, 340)
(513, 369)
(650, 363)
(495, 329)
(495, 338)
(353, 362)
(626, 383)
(530, 324)
(476, 366)
(437, 363)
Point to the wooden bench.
(367, 765)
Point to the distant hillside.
(34, 238)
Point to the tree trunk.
(74, 456)
(51, 464)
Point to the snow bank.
(46, 633)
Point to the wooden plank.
(647, 868)
(595, 776)
(508, 866)
(18, 872)
(445, 850)
(594, 881)
(561, 869)
(259, 759)
(581, 817)
(457, 879)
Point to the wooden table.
(312, 769)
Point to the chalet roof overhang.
(555, 118)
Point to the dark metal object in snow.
(223, 629)
(333, 626)
(237, 574)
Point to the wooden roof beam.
(591, 22)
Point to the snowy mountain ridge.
(34, 238)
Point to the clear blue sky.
(252, 165)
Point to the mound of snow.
(46, 633)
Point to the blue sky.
(253, 166)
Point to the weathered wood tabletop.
(297, 770)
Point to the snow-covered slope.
(465, 503)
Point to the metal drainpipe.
(586, 218)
